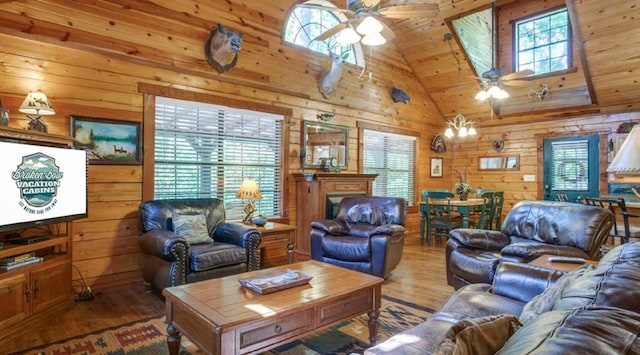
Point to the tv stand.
(36, 291)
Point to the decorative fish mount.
(438, 145)
(398, 95)
(222, 47)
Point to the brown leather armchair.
(367, 235)
(531, 229)
(169, 259)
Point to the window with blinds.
(204, 150)
(570, 165)
(392, 157)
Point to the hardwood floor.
(419, 278)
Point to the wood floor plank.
(419, 278)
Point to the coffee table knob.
(278, 329)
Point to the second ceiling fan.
(364, 20)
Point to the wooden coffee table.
(222, 317)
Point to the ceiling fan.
(494, 78)
(364, 20)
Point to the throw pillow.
(479, 336)
(544, 301)
(192, 227)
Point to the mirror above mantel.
(499, 162)
(321, 141)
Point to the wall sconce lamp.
(625, 166)
(36, 105)
(461, 125)
(249, 190)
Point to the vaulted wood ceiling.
(604, 77)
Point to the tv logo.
(38, 178)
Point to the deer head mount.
(330, 78)
(222, 47)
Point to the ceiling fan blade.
(410, 11)
(517, 83)
(330, 32)
(517, 75)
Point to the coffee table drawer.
(345, 308)
(261, 334)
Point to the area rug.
(149, 336)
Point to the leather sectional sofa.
(587, 311)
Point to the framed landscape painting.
(107, 141)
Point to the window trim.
(570, 39)
(362, 126)
(148, 133)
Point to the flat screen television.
(41, 185)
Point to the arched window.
(303, 24)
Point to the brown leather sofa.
(592, 311)
(367, 235)
(169, 259)
(531, 229)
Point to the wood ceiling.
(604, 77)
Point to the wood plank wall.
(92, 64)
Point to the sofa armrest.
(523, 281)
(160, 243)
(389, 229)
(530, 251)
(330, 226)
(246, 236)
(480, 238)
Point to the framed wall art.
(436, 167)
(108, 141)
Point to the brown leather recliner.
(531, 229)
(169, 259)
(367, 235)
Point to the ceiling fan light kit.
(348, 36)
(369, 26)
(373, 39)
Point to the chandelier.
(458, 122)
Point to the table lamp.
(36, 105)
(626, 164)
(249, 190)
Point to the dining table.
(464, 207)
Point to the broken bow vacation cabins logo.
(37, 178)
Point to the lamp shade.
(348, 36)
(249, 190)
(373, 39)
(369, 25)
(627, 159)
(36, 103)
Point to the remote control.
(566, 259)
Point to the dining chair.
(498, 202)
(483, 219)
(618, 207)
(441, 219)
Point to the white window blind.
(570, 165)
(204, 150)
(392, 157)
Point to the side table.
(543, 261)
(276, 247)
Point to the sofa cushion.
(478, 336)
(350, 249)
(544, 301)
(193, 227)
(592, 330)
(210, 256)
(614, 282)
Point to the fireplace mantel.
(311, 200)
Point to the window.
(570, 165)
(543, 43)
(304, 24)
(392, 157)
(205, 150)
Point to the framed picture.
(436, 167)
(108, 141)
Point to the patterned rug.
(149, 336)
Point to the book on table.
(33, 260)
(18, 258)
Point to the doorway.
(571, 168)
